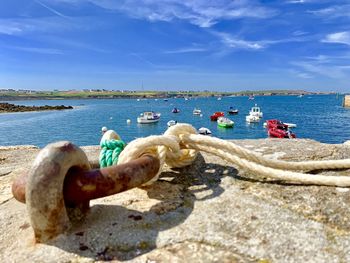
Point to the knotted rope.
(180, 144)
(111, 147)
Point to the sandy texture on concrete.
(207, 212)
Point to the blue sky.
(218, 45)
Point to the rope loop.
(180, 144)
(110, 151)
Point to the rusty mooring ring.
(61, 176)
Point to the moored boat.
(197, 111)
(175, 110)
(251, 118)
(204, 131)
(274, 122)
(256, 111)
(216, 115)
(148, 117)
(278, 129)
(225, 122)
(232, 111)
(171, 123)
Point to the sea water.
(318, 117)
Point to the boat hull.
(144, 121)
(225, 125)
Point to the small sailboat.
(225, 122)
(197, 111)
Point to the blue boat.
(175, 110)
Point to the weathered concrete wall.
(346, 102)
(207, 212)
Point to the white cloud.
(239, 43)
(299, 33)
(22, 26)
(47, 51)
(202, 13)
(304, 75)
(339, 37)
(324, 70)
(234, 42)
(185, 50)
(332, 11)
(10, 29)
(296, 2)
(330, 66)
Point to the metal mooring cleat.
(61, 178)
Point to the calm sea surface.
(318, 117)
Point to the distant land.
(10, 94)
(8, 107)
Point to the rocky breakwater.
(8, 107)
(210, 211)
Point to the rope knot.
(168, 148)
(111, 147)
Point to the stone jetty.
(210, 211)
(8, 107)
(346, 102)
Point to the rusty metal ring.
(44, 190)
(60, 179)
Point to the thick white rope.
(180, 144)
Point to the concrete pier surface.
(346, 102)
(210, 211)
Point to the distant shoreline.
(11, 108)
(64, 95)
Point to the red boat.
(278, 129)
(216, 115)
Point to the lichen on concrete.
(207, 212)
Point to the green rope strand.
(110, 150)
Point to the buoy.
(128, 121)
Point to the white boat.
(197, 111)
(148, 117)
(204, 131)
(171, 123)
(219, 98)
(256, 111)
(225, 122)
(290, 125)
(252, 118)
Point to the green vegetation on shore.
(105, 94)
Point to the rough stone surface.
(346, 102)
(207, 212)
